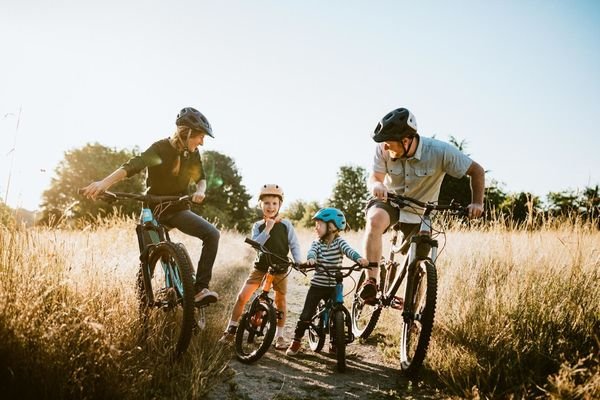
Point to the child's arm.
(257, 236)
(349, 251)
(293, 241)
(311, 257)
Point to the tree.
(6, 215)
(494, 198)
(226, 202)
(295, 211)
(562, 203)
(521, 207)
(311, 209)
(350, 195)
(80, 167)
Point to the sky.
(293, 89)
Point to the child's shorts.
(279, 280)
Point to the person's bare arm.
(95, 188)
(477, 175)
(376, 186)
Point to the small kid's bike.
(165, 280)
(258, 323)
(332, 317)
(420, 295)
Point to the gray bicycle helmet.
(194, 119)
(396, 125)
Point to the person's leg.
(194, 225)
(280, 287)
(314, 295)
(243, 296)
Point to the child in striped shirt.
(328, 252)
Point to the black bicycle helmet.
(194, 119)
(396, 125)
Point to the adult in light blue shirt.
(407, 164)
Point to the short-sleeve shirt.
(421, 175)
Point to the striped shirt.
(329, 256)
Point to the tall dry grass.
(68, 317)
(518, 315)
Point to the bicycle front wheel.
(316, 330)
(255, 332)
(364, 316)
(339, 336)
(418, 316)
(167, 299)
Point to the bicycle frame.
(334, 303)
(150, 233)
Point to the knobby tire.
(417, 333)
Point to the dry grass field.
(518, 315)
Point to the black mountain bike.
(419, 273)
(258, 323)
(165, 280)
(332, 317)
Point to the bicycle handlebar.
(285, 261)
(402, 201)
(332, 270)
(149, 198)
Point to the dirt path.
(314, 376)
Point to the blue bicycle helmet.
(331, 214)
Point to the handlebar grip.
(252, 243)
(373, 264)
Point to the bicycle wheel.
(418, 317)
(316, 330)
(339, 339)
(364, 316)
(168, 313)
(255, 332)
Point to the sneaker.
(294, 348)
(280, 343)
(206, 296)
(368, 291)
(227, 338)
(332, 349)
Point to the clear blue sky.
(294, 88)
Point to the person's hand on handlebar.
(363, 262)
(94, 189)
(379, 191)
(475, 210)
(311, 262)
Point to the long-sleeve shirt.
(330, 257)
(280, 240)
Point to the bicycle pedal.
(201, 318)
(397, 303)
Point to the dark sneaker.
(294, 348)
(368, 291)
(206, 296)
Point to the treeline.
(227, 201)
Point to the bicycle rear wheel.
(316, 330)
(418, 317)
(364, 316)
(339, 336)
(167, 299)
(255, 332)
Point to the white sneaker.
(280, 343)
(206, 296)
